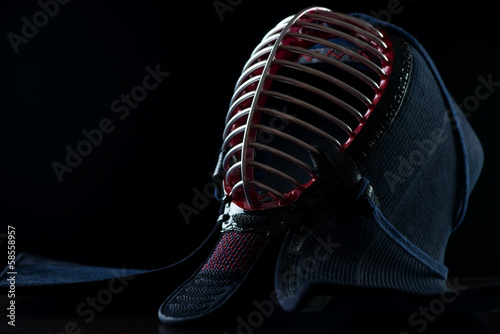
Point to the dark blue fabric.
(422, 171)
(414, 167)
(468, 142)
(38, 274)
(407, 245)
(33, 270)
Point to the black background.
(120, 206)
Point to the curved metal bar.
(256, 56)
(361, 76)
(242, 87)
(246, 138)
(351, 19)
(284, 135)
(374, 35)
(350, 38)
(274, 171)
(230, 154)
(264, 43)
(266, 188)
(233, 120)
(319, 92)
(240, 99)
(303, 124)
(284, 155)
(231, 170)
(353, 91)
(340, 48)
(312, 108)
(278, 29)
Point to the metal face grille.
(312, 82)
